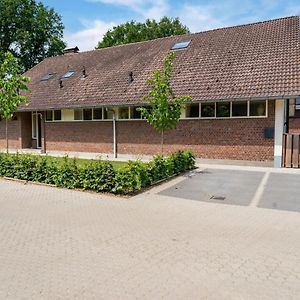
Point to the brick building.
(244, 82)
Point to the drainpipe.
(43, 132)
(114, 132)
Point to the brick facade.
(294, 125)
(241, 139)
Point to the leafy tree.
(11, 83)
(131, 32)
(164, 108)
(30, 30)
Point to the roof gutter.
(284, 97)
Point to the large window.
(87, 114)
(208, 110)
(192, 111)
(239, 109)
(228, 109)
(135, 113)
(258, 108)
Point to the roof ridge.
(190, 34)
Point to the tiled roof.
(248, 61)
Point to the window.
(87, 114)
(134, 113)
(49, 115)
(97, 113)
(192, 110)
(57, 115)
(240, 108)
(47, 77)
(78, 114)
(69, 74)
(124, 113)
(34, 125)
(181, 45)
(208, 110)
(223, 109)
(258, 108)
(108, 113)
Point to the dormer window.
(68, 74)
(181, 45)
(47, 77)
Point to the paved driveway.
(60, 244)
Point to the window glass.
(87, 114)
(34, 126)
(135, 114)
(223, 109)
(192, 110)
(124, 113)
(57, 115)
(97, 113)
(78, 114)
(49, 115)
(297, 103)
(207, 110)
(108, 113)
(258, 108)
(239, 108)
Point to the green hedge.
(98, 175)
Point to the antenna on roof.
(130, 77)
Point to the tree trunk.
(162, 143)
(6, 134)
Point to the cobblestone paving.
(60, 244)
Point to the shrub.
(97, 175)
(132, 177)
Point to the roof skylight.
(181, 45)
(48, 76)
(68, 74)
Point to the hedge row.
(97, 175)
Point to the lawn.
(82, 161)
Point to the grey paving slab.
(282, 191)
(212, 185)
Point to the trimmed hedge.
(98, 175)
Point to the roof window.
(68, 74)
(48, 76)
(181, 45)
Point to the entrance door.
(37, 129)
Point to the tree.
(30, 30)
(164, 108)
(11, 83)
(131, 32)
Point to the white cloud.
(146, 8)
(88, 38)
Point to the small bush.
(97, 175)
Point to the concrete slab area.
(211, 185)
(282, 191)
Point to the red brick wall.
(14, 134)
(225, 139)
(294, 125)
(79, 136)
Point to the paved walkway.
(61, 244)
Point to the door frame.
(36, 126)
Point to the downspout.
(114, 132)
(114, 135)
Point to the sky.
(86, 21)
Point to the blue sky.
(87, 20)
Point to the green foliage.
(98, 175)
(11, 83)
(30, 30)
(164, 108)
(131, 32)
